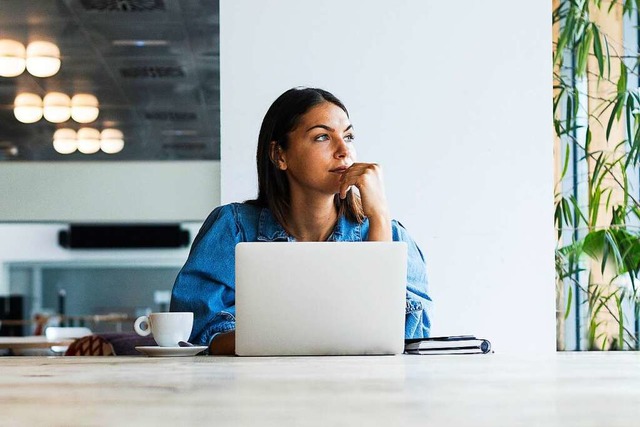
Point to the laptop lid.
(320, 298)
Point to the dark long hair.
(282, 117)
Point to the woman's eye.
(350, 138)
(322, 137)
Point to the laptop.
(320, 298)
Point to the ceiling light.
(139, 43)
(88, 140)
(84, 108)
(27, 108)
(43, 59)
(12, 54)
(111, 141)
(8, 150)
(57, 107)
(65, 141)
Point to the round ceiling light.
(12, 54)
(84, 108)
(88, 140)
(57, 107)
(111, 141)
(65, 141)
(43, 59)
(27, 108)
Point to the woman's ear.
(278, 156)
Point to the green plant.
(597, 218)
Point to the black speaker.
(11, 309)
(123, 236)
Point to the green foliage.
(599, 229)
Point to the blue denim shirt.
(206, 283)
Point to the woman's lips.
(340, 169)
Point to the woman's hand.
(223, 344)
(367, 177)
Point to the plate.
(157, 351)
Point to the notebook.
(320, 298)
(460, 344)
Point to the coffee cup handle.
(139, 321)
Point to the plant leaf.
(597, 50)
(617, 109)
(567, 310)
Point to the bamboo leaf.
(557, 217)
(566, 210)
(565, 166)
(605, 256)
(609, 193)
(584, 46)
(568, 112)
(578, 212)
(630, 106)
(615, 113)
(612, 4)
(558, 98)
(613, 246)
(597, 50)
(567, 310)
(622, 80)
(565, 37)
(606, 45)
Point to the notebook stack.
(462, 344)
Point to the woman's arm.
(418, 307)
(206, 283)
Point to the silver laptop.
(320, 298)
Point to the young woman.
(306, 173)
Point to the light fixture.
(43, 59)
(84, 108)
(27, 108)
(12, 54)
(65, 141)
(139, 43)
(88, 140)
(57, 107)
(111, 141)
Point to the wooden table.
(31, 342)
(569, 389)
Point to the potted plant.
(597, 209)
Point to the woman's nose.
(342, 149)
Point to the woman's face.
(320, 150)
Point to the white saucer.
(157, 351)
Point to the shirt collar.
(270, 230)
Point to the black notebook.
(461, 344)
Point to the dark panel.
(123, 236)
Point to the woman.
(306, 174)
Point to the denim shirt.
(206, 283)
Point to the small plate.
(157, 351)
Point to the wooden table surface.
(567, 389)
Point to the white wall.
(454, 100)
(108, 191)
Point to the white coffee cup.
(168, 329)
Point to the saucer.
(157, 351)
